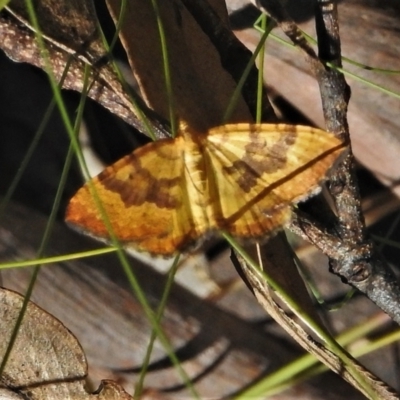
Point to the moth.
(168, 195)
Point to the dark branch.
(352, 256)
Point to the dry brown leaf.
(201, 88)
(46, 361)
(70, 25)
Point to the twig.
(352, 255)
(19, 43)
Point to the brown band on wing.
(261, 158)
(328, 154)
(141, 186)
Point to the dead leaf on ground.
(46, 361)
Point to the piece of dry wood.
(92, 298)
